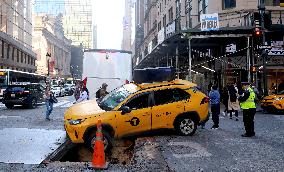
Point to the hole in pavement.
(121, 153)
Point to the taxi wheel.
(108, 141)
(186, 126)
(9, 106)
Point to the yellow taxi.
(273, 103)
(136, 108)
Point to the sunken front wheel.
(107, 139)
(186, 126)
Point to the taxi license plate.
(13, 95)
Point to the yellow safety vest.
(249, 103)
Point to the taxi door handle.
(145, 114)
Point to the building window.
(164, 20)
(1, 47)
(202, 8)
(13, 53)
(171, 14)
(22, 54)
(5, 50)
(159, 26)
(229, 4)
(18, 54)
(272, 2)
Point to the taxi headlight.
(278, 98)
(75, 121)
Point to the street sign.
(264, 47)
(209, 22)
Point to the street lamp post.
(261, 8)
(48, 55)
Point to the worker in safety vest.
(247, 102)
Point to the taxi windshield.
(110, 101)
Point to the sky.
(108, 16)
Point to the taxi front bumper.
(75, 132)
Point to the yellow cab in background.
(133, 109)
(273, 103)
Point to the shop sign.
(276, 52)
(209, 22)
(277, 49)
(170, 29)
(161, 36)
(231, 48)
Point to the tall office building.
(77, 18)
(127, 25)
(95, 37)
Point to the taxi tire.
(9, 106)
(185, 121)
(106, 138)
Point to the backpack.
(98, 93)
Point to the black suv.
(26, 95)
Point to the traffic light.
(257, 32)
(281, 3)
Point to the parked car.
(273, 103)
(136, 108)
(68, 90)
(58, 91)
(26, 95)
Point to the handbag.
(53, 99)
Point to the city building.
(127, 26)
(76, 18)
(95, 37)
(16, 36)
(77, 56)
(222, 51)
(53, 49)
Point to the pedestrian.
(214, 97)
(83, 96)
(247, 101)
(48, 102)
(102, 92)
(233, 103)
(77, 91)
(225, 98)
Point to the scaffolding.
(76, 18)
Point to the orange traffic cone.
(99, 161)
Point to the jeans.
(215, 110)
(49, 108)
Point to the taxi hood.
(83, 110)
(273, 96)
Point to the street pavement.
(222, 149)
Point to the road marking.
(198, 150)
(60, 103)
(5, 117)
(67, 105)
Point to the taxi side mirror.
(125, 109)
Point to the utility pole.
(261, 8)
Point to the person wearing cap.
(103, 91)
(247, 102)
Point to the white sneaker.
(223, 113)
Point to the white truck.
(113, 67)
